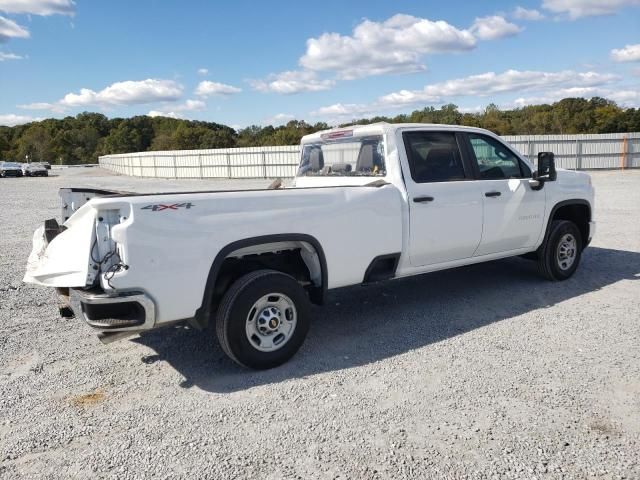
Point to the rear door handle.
(492, 194)
(422, 199)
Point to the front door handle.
(422, 199)
(492, 194)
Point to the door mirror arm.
(536, 182)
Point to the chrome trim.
(592, 230)
(78, 297)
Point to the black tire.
(549, 264)
(231, 318)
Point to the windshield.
(354, 156)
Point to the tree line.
(81, 139)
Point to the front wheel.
(263, 319)
(559, 256)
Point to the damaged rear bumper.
(113, 312)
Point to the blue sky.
(242, 63)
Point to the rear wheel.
(263, 319)
(559, 256)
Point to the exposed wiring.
(112, 270)
(107, 256)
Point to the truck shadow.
(361, 325)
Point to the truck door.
(513, 211)
(445, 203)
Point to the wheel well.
(578, 213)
(300, 256)
(288, 261)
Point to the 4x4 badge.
(158, 207)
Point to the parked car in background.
(34, 170)
(10, 169)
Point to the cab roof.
(386, 127)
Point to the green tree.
(35, 144)
(122, 139)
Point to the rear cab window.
(342, 154)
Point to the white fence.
(608, 150)
(614, 150)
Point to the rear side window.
(433, 156)
(495, 160)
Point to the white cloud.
(38, 7)
(490, 83)
(584, 8)
(345, 110)
(292, 82)
(279, 119)
(429, 95)
(493, 27)
(626, 98)
(9, 56)
(54, 107)
(203, 71)
(157, 113)
(129, 92)
(556, 95)
(190, 105)
(630, 53)
(11, 119)
(393, 46)
(176, 110)
(10, 29)
(522, 13)
(207, 88)
(476, 109)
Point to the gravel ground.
(481, 372)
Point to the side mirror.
(546, 167)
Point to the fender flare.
(205, 308)
(564, 203)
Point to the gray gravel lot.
(486, 371)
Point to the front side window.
(433, 156)
(352, 156)
(495, 160)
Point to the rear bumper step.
(128, 311)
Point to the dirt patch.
(603, 427)
(88, 399)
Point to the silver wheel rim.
(567, 250)
(271, 322)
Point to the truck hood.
(64, 262)
(573, 177)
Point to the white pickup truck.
(369, 203)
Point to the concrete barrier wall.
(614, 150)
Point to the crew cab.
(369, 203)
